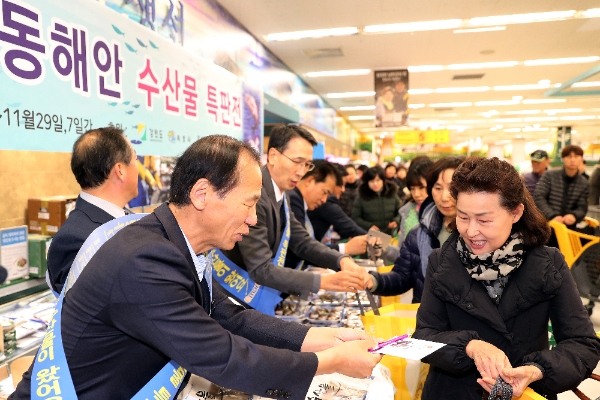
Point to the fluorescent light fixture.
(540, 119)
(591, 13)
(562, 110)
(463, 89)
(425, 68)
(513, 130)
(517, 98)
(534, 129)
(521, 87)
(415, 106)
(491, 103)
(345, 72)
(357, 108)
(544, 82)
(317, 33)
(467, 121)
(577, 117)
(475, 30)
(457, 127)
(508, 120)
(522, 18)
(414, 26)
(419, 91)
(361, 117)
(498, 64)
(522, 112)
(559, 61)
(586, 84)
(455, 104)
(543, 101)
(346, 95)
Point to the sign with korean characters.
(69, 66)
(422, 137)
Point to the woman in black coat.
(490, 292)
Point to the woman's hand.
(374, 227)
(392, 225)
(489, 360)
(519, 378)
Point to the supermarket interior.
(393, 94)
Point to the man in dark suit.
(311, 193)
(289, 157)
(104, 165)
(146, 297)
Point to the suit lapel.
(94, 213)
(175, 236)
(267, 187)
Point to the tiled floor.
(589, 387)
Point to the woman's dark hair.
(213, 157)
(491, 175)
(433, 173)
(391, 165)
(389, 189)
(417, 171)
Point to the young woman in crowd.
(416, 181)
(490, 291)
(436, 222)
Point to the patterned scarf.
(493, 268)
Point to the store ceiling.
(574, 37)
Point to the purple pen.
(387, 343)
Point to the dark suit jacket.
(82, 221)
(139, 303)
(256, 251)
(331, 213)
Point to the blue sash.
(237, 281)
(51, 379)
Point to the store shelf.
(21, 289)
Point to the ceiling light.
(475, 30)
(544, 82)
(543, 101)
(317, 33)
(361, 117)
(463, 89)
(530, 129)
(346, 72)
(420, 91)
(498, 64)
(562, 110)
(346, 95)
(506, 120)
(467, 121)
(512, 130)
(559, 61)
(577, 117)
(414, 26)
(586, 84)
(496, 103)
(591, 13)
(521, 18)
(493, 129)
(521, 87)
(517, 98)
(425, 68)
(415, 106)
(455, 104)
(540, 119)
(522, 112)
(357, 108)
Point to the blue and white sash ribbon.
(51, 379)
(237, 281)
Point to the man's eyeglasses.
(308, 165)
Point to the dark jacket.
(549, 195)
(379, 210)
(456, 309)
(349, 196)
(408, 271)
(330, 213)
(82, 221)
(531, 180)
(594, 196)
(139, 303)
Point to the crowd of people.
(196, 282)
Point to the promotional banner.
(422, 137)
(391, 97)
(67, 67)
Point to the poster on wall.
(67, 67)
(391, 98)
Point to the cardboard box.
(46, 215)
(38, 253)
(14, 252)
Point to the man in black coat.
(104, 165)
(146, 297)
